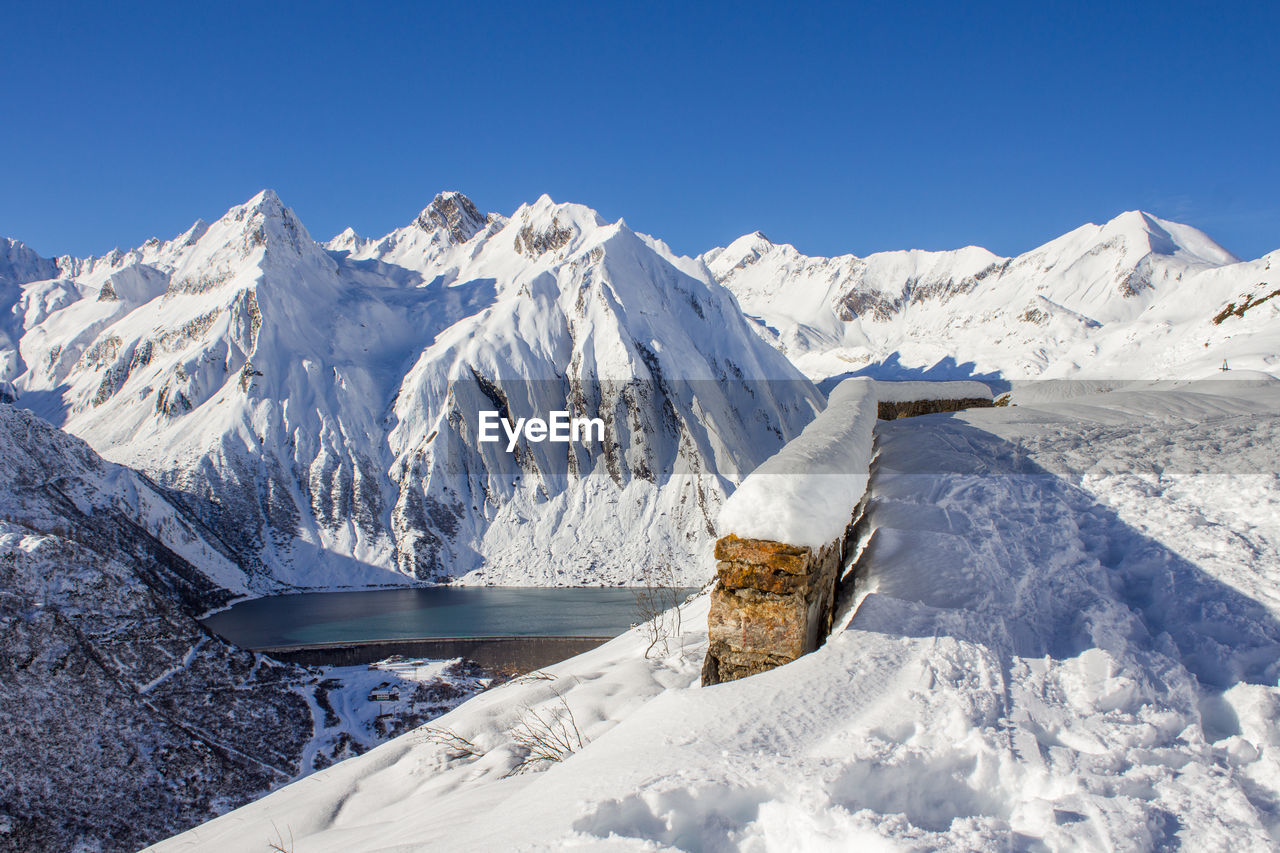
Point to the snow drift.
(806, 493)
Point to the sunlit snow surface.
(1068, 640)
(804, 494)
(1133, 297)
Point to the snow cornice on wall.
(786, 533)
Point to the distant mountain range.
(1137, 297)
(316, 403)
(319, 403)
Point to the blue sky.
(836, 127)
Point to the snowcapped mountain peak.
(347, 241)
(263, 226)
(264, 206)
(430, 243)
(192, 234)
(545, 226)
(19, 264)
(1163, 237)
(1127, 240)
(741, 253)
(453, 213)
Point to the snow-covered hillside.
(320, 405)
(1068, 640)
(319, 402)
(1137, 297)
(111, 736)
(122, 719)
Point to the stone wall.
(773, 602)
(911, 408)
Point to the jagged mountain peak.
(755, 241)
(20, 264)
(263, 223)
(455, 214)
(192, 234)
(266, 206)
(346, 240)
(547, 226)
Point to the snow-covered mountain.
(320, 402)
(320, 405)
(1136, 297)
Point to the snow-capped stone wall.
(785, 532)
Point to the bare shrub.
(279, 845)
(455, 745)
(530, 677)
(545, 735)
(658, 608)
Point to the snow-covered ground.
(1068, 638)
(805, 493)
(356, 708)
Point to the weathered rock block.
(748, 619)
(778, 556)
(772, 603)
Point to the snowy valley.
(1068, 640)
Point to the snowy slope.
(1068, 641)
(1135, 297)
(322, 404)
(124, 719)
(111, 739)
(18, 265)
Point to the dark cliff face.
(123, 720)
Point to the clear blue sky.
(836, 127)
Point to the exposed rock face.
(533, 242)
(455, 213)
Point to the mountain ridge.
(319, 399)
(270, 378)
